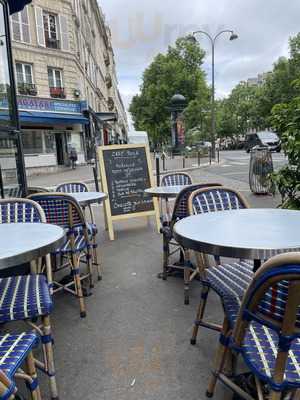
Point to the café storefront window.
(12, 171)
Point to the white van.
(138, 137)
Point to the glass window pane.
(58, 78)
(28, 74)
(50, 77)
(32, 142)
(19, 70)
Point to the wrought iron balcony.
(52, 43)
(57, 92)
(111, 104)
(29, 89)
(108, 81)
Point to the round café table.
(165, 192)
(21, 243)
(87, 198)
(254, 234)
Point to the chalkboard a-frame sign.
(125, 173)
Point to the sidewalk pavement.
(84, 173)
(135, 342)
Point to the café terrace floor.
(134, 343)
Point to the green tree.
(286, 118)
(177, 71)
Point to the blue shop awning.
(38, 117)
(17, 5)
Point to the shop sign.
(38, 104)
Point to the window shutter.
(64, 33)
(40, 26)
(25, 25)
(16, 27)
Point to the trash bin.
(261, 165)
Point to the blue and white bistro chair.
(80, 187)
(232, 278)
(28, 297)
(176, 179)
(173, 179)
(264, 330)
(16, 351)
(63, 210)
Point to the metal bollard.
(210, 156)
(218, 156)
(96, 179)
(199, 159)
(183, 162)
(157, 170)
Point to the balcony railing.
(29, 89)
(57, 92)
(110, 104)
(52, 43)
(108, 81)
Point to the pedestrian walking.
(73, 157)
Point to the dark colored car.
(264, 138)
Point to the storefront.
(49, 129)
(12, 171)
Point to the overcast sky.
(142, 28)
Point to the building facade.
(66, 81)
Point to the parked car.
(264, 138)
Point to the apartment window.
(56, 83)
(24, 73)
(52, 30)
(20, 26)
(25, 79)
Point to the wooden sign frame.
(107, 208)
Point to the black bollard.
(210, 155)
(183, 162)
(157, 170)
(199, 158)
(96, 179)
(218, 156)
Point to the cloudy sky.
(142, 28)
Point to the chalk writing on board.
(127, 177)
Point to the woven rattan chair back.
(36, 189)
(216, 199)
(272, 300)
(61, 209)
(20, 210)
(180, 209)
(178, 178)
(72, 187)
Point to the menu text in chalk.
(126, 172)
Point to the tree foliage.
(250, 106)
(177, 71)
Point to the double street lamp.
(233, 36)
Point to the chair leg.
(33, 384)
(219, 362)
(4, 386)
(77, 283)
(47, 343)
(89, 259)
(275, 396)
(166, 252)
(96, 261)
(187, 273)
(200, 313)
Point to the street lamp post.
(213, 39)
